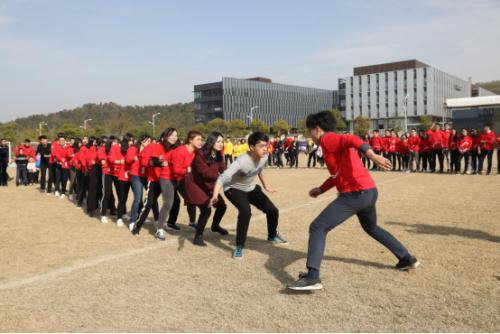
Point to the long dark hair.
(109, 143)
(191, 135)
(456, 136)
(209, 145)
(125, 139)
(77, 144)
(142, 138)
(164, 139)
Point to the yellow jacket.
(240, 149)
(228, 148)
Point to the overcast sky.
(62, 54)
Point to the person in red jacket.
(414, 151)
(392, 149)
(425, 152)
(464, 147)
(475, 151)
(446, 150)
(453, 142)
(139, 160)
(123, 174)
(207, 165)
(82, 173)
(107, 197)
(71, 149)
(366, 161)
(377, 144)
(385, 141)
(93, 189)
(436, 139)
(498, 153)
(180, 163)
(487, 140)
(156, 158)
(60, 156)
(358, 196)
(404, 151)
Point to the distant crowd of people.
(460, 151)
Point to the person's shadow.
(280, 257)
(447, 230)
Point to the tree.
(236, 128)
(70, 130)
(301, 126)
(341, 124)
(258, 125)
(218, 125)
(361, 125)
(281, 127)
(426, 121)
(200, 127)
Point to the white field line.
(18, 282)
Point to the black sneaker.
(173, 227)
(198, 241)
(407, 263)
(304, 283)
(220, 230)
(193, 225)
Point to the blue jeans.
(360, 203)
(138, 184)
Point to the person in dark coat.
(4, 162)
(207, 165)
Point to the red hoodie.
(91, 158)
(487, 141)
(180, 160)
(465, 144)
(164, 172)
(393, 144)
(385, 142)
(377, 144)
(476, 143)
(151, 172)
(452, 144)
(498, 140)
(346, 169)
(446, 138)
(436, 139)
(115, 160)
(133, 162)
(414, 143)
(404, 147)
(103, 158)
(29, 152)
(425, 146)
(70, 154)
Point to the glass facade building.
(233, 98)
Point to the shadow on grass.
(447, 230)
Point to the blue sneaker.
(238, 253)
(278, 239)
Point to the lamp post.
(406, 112)
(40, 127)
(153, 123)
(84, 127)
(251, 113)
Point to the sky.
(59, 54)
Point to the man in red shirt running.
(358, 195)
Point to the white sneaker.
(119, 223)
(131, 226)
(56, 194)
(70, 197)
(62, 196)
(104, 220)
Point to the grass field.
(63, 271)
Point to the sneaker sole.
(317, 286)
(413, 266)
